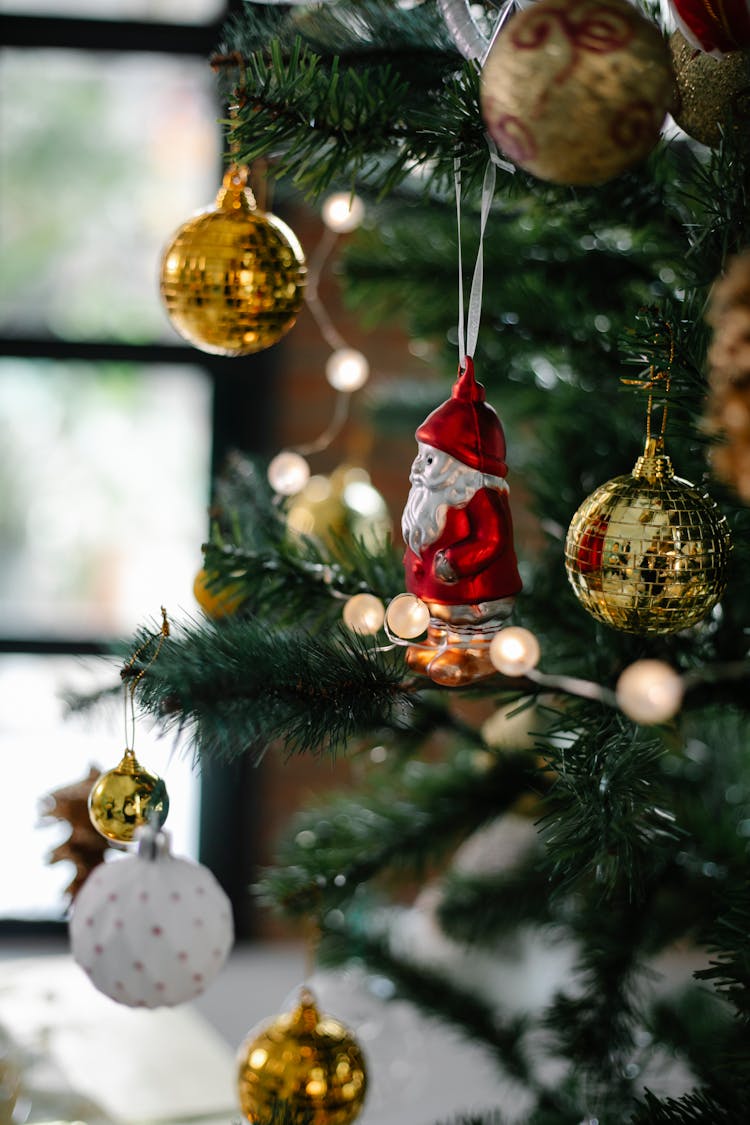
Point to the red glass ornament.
(457, 526)
(714, 26)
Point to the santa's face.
(431, 468)
(438, 482)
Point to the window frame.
(242, 418)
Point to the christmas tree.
(624, 785)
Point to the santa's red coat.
(477, 542)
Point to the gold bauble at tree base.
(306, 1059)
(576, 91)
(126, 798)
(648, 552)
(233, 277)
(713, 94)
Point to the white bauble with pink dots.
(151, 930)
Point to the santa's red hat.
(466, 427)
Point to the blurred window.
(110, 426)
(45, 748)
(168, 11)
(104, 488)
(100, 159)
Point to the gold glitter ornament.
(576, 91)
(233, 277)
(306, 1059)
(125, 797)
(648, 552)
(711, 93)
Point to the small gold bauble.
(711, 93)
(233, 277)
(217, 601)
(124, 799)
(307, 1059)
(339, 507)
(648, 552)
(576, 91)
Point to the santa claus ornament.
(461, 570)
(460, 562)
(714, 26)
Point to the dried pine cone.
(729, 376)
(84, 847)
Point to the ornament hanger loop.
(125, 674)
(151, 840)
(468, 37)
(657, 375)
(468, 335)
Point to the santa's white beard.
(451, 485)
(424, 516)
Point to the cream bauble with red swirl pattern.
(151, 930)
(576, 91)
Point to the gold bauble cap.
(310, 1060)
(125, 798)
(648, 552)
(233, 277)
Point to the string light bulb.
(347, 369)
(343, 212)
(407, 616)
(649, 691)
(514, 651)
(288, 473)
(364, 614)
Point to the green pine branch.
(236, 687)
(610, 819)
(730, 971)
(479, 910)
(696, 1027)
(396, 823)
(430, 991)
(281, 576)
(696, 1108)
(299, 580)
(319, 99)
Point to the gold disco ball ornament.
(576, 91)
(125, 798)
(648, 552)
(711, 93)
(233, 277)
(306, 1059)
